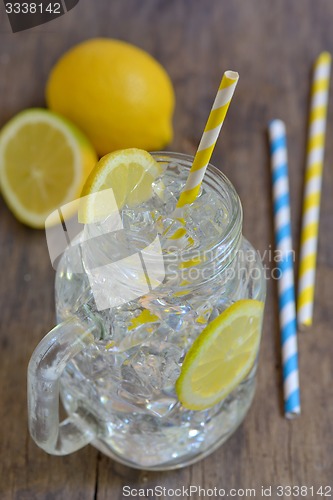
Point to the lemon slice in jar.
(221, 356)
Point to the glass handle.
(45, 368)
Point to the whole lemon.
(116, 93)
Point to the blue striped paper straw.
(286, 290)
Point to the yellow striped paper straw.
(312, 189)
(208, 140)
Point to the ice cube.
(143, 370)
(206, 219)
(137, 336)
(136, 219)
(162, 406)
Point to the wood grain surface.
(272, 45)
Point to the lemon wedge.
(221, 357)
(130, 174)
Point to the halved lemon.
(221, 357)
(128, 172)
(44, 162)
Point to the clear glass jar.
(119, 387)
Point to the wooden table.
(272, 45)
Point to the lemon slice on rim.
(221, 356)
(44, 162)
(129, 172)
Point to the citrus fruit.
(44, 162)
(221, 356)
(129, 172)
(116, 93)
